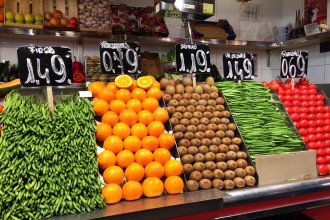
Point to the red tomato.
(287, 104)
(265, 83)
(304, 91)
(295, 109)
(311, 116)
(327, 149)
(287, 86)
(319, 123)
(311, 130)
(282, 92)
(326, 129)
(290, 92)
(312, 91)
(320, 152)
(303, 87)
(312, 86)
(302, 131)
(274, 86)
(305, 139)
(312, 110)
(296, 97)
(320, 109)
(326, 136)
(327, 159)
(320, 97)
(327, 115)
(304, 98)
(303, 116)
(326, 121)
(320, 137)
(319, 115)
(288, 110)
(327, 109)
(311, 145)
(328, 166)
(312, 123)
(323, 170)
(304, 104)
(319, 103)
(303, 110)
(311, 97)
(281, 97)
(311, 138)
(288, 98)
(296, 103)
(296, 91)
(319, 130)
(296, 124)
(304, 124)
(312, 103)
(321, 161)
(319, 145)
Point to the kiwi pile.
(207, 143)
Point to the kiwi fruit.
(167, 98)
(188, 158)
(214, 89)
(188, 135)
(237, 141)
(241, 155)
(179, 89)
(224, 121)
(171, 82)
(231, 164)
(239, 182)
(205, 184)
(177, 97)
(187, 169)
(207, 115)
(219, 108)
(195, 142)
(180, 109)
(207, 174)
(178, 81)
(210, 109)
(200, 108)
(198, 89)
(211, 102)
(193, 102)
(183, 102)
(209, 81)
(220, 134)
(250, 180)
(218, 174)
(206, 88)
(230, 133)
(184, 121)
(240, 172)
(179, 128)
(205, 96)
(229, 184)
(226, 114)
(201, 127)
(226, 141)
(163, 83)
(202, 102)
(210, 165)
(216, 141)
(198, 115)
(170, 110)
(250, 171)
(217, 184)
(194, 121)
(214, 95)
(191, 128)
(199, 158)
(241, 163)
(210, 156)
(170, 89)
(204, 121)
(231, 155)
(199, 166)
(174, 121)
(178, 136)
(215, 121)
(206, 142)
(190, 109)
(220, 101)
(229, 174)
(187, 81)
(184, 142)
(231, 126)
(233, 147)
(186, 95)
(195, 175)
(192, 150)
(223, 148)
(222, 127)
(177, 115)
(221, 165)
(192, 185)
(217, 114)
(182, 151)
(220, 157)
(209, 134)
(203, 149)
(196, 96)
(199, 135)
(213, 148)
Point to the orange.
(155, 92)
(103, 131)
(173, 185)
(117, 106)
(156, 128)
(150, 142)
(95, 88)
(162, 155)
(139, 94)
(152, 78)
(150, 104)
(125, 158)
(111, 118)
(123, 81)
(160, 114)
(123, 94)
(112, 86)
(128, 116)
(133, 86)
(106, 159)
(139, 130)
(135, 105)
(155, 84)
(132, 190)
(112, 193)
(100, 107)
(107, 95)
(113, 174)
(166, 140)
(121, 130)
(144, 82)
(132, 143)
(152, 187)
(155, 169)
(145, 117)
(143, 157)
(134, 171)
(114, 144)
(173, 168)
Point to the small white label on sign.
(85, 94)
(188, 6)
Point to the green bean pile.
(48, 163)
(263, 127)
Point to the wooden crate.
(3, 12)
(24, 7)
(69, 8)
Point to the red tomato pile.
(308, 113)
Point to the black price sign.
(119, 58)
(293, 64)
(238, 66)
(44, 66)
(192, 58)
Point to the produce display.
(135, 157)
(48, 162)
(93, 69)
(57, 19)
(124, 19)
(20, 18)
(7, 87)
(2, 14)
(210, 151)
(264, 128)
(310, 116)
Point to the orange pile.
(136, 153)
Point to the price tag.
(44, 66)
(238, 66)
(293, 64)
(192, 58)
(119, 58)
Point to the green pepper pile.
(48, 163)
